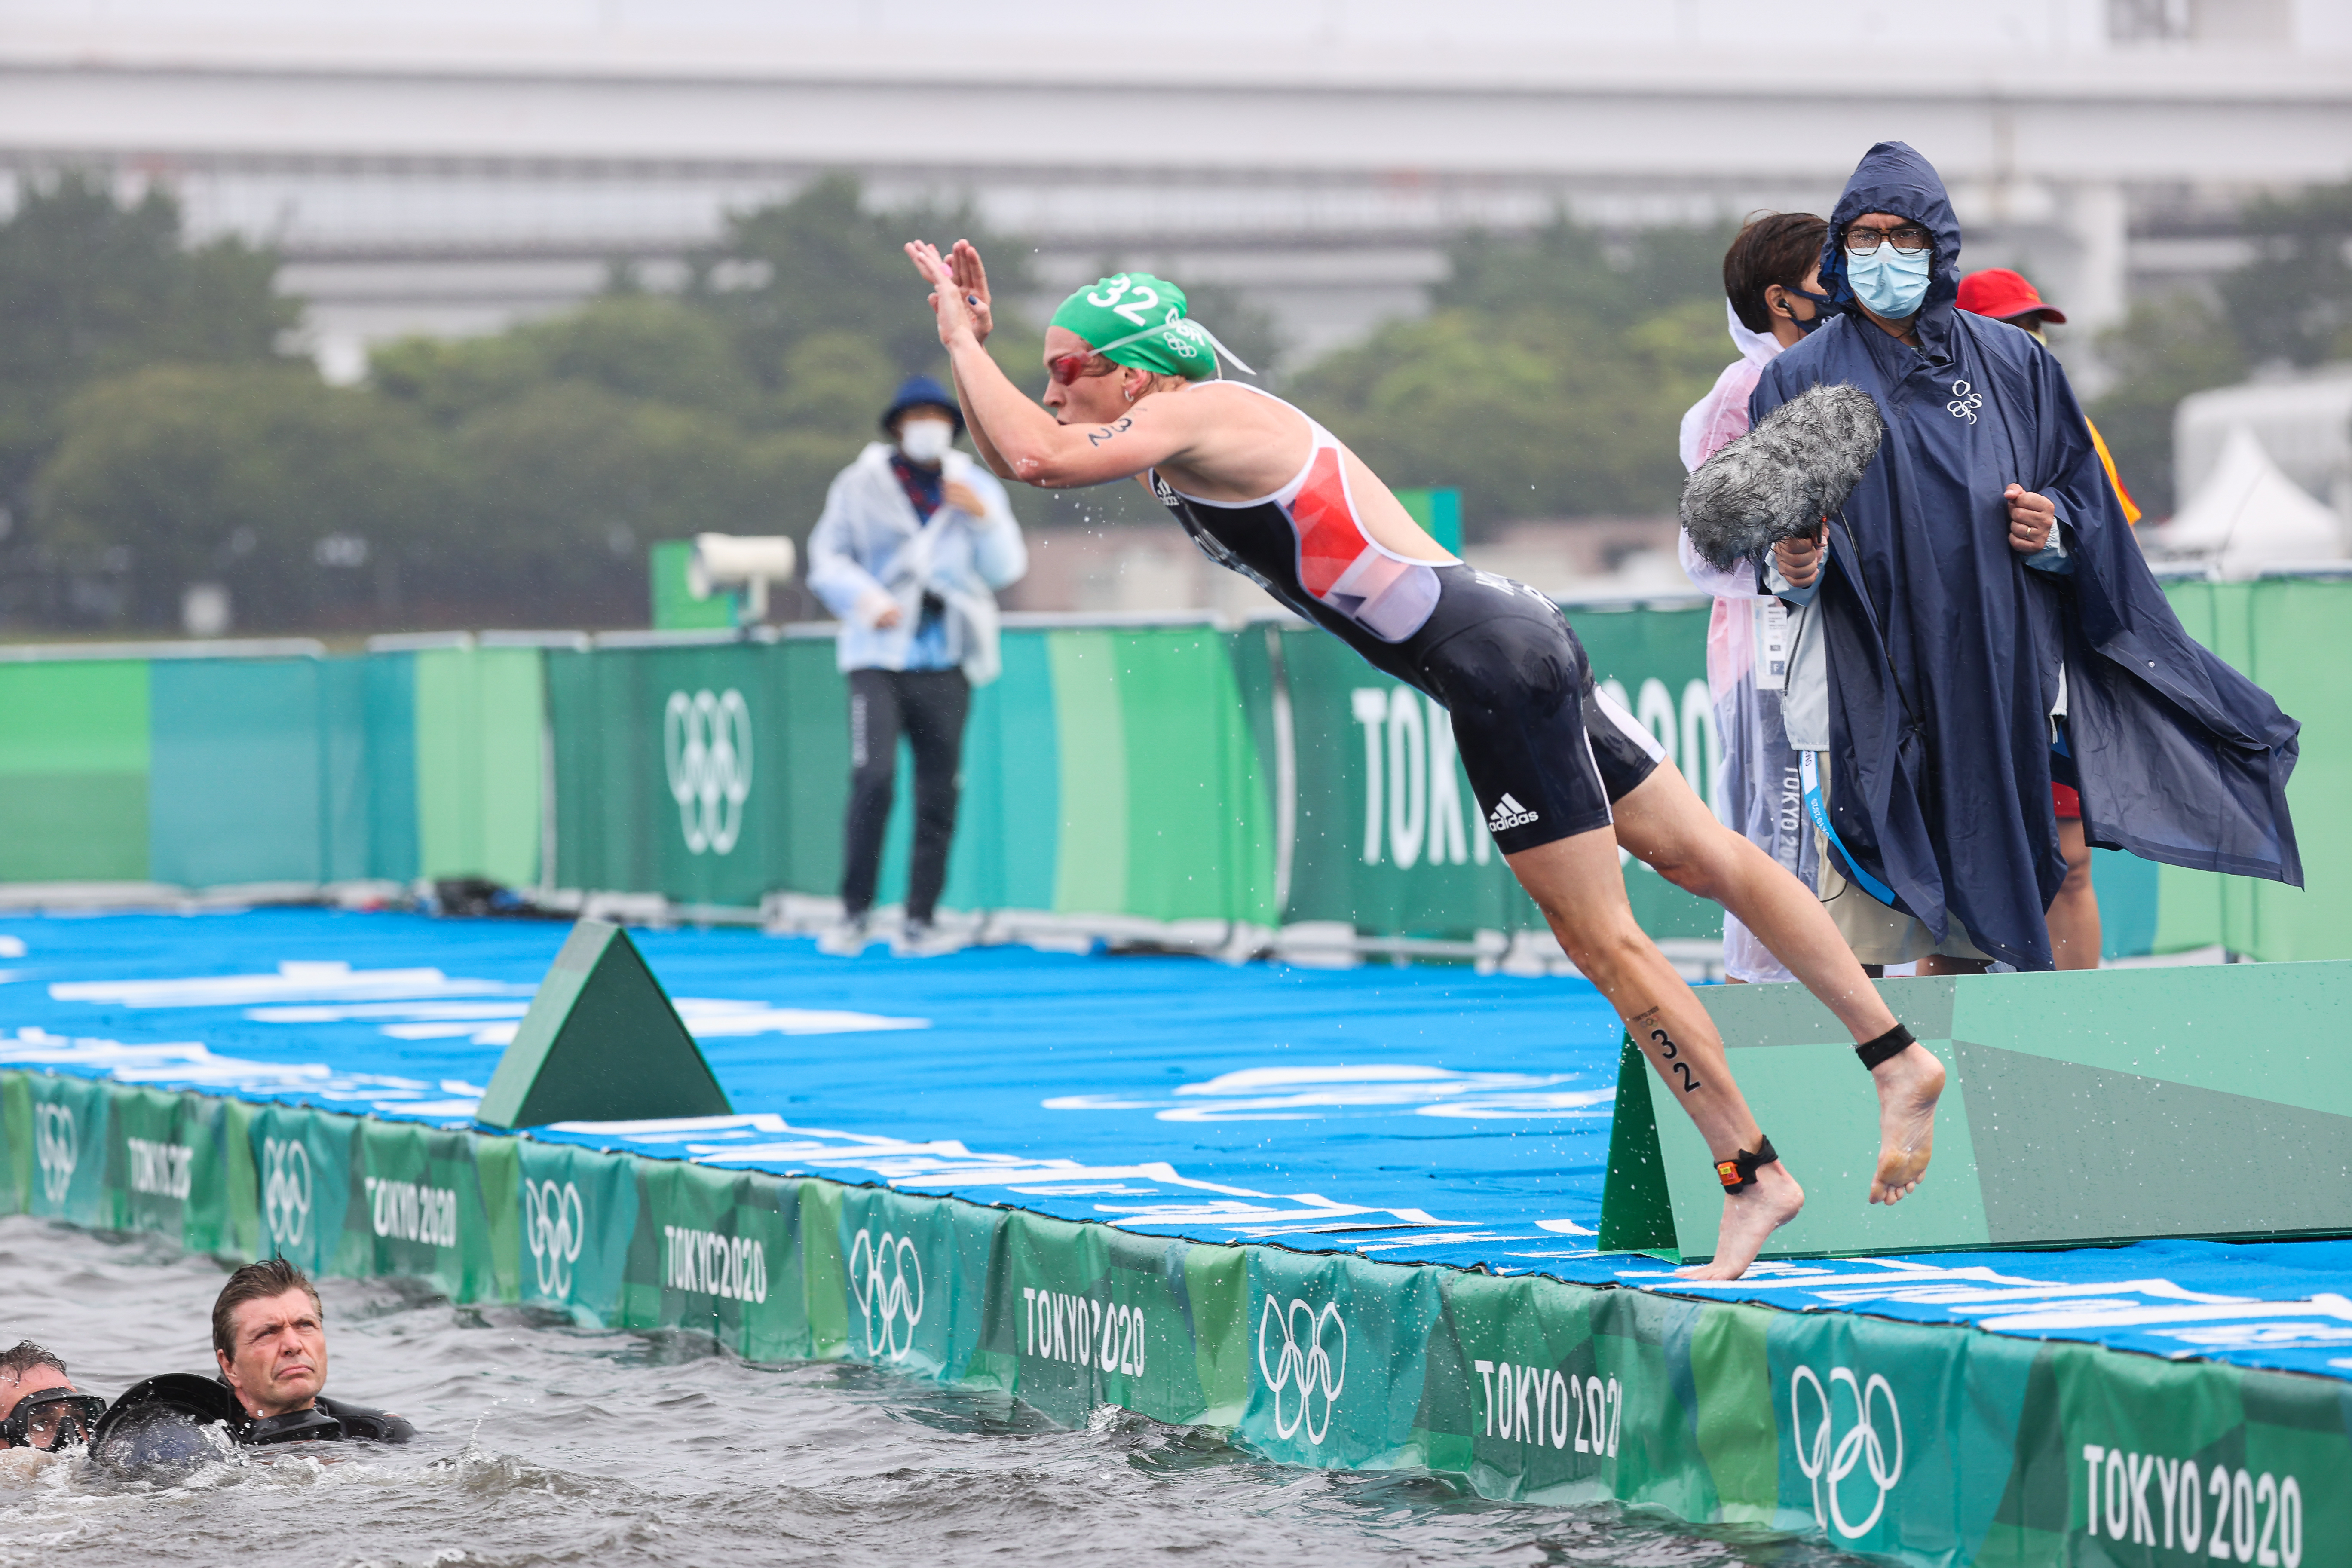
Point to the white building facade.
(448, 168)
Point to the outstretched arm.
(972, 278)
(1023, 440)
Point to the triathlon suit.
(1546, 751)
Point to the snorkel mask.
(51, 1418)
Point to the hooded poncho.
(1947, 651)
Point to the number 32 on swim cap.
(1135, 320)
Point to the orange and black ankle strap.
(1739, 1173)
(1892, 1043)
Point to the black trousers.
(928, 706)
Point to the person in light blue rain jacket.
(915, 538)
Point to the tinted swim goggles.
(51, 1418)
(1067, 368)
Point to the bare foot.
(1748, 1219)
(1909, 1083)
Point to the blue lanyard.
(1809, 772)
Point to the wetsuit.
(1546, 751)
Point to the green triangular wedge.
(601, 1043)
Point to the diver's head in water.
(269, 1335)
(39, 1405)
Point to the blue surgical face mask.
(1891, 282)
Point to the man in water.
(1564, 776)
(39, 1405)
(269, 1335)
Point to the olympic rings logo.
(555, 1222)
(286, 1189)
(881, 1284)
(1305, 1362)
(706, 749)
(57, 1139)
(1823, 1461)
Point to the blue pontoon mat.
(1422, 1114)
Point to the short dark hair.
(1774, 247)
(256, 1282)
(24, 1356)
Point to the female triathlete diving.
(1564, 775)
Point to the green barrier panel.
(2272, 631)
(1927, 1444)
(305, 1198)
(576, 1216)
(481, 718)
(1263, 775)
(168, 1167)
(2082, 1109)
(440, 1206)
(74, 755)
(239, 776)
(699, 772)
(388, 683)
(1008, 827)
(66, 1134)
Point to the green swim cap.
(1136, 320)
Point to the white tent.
(2248, 515)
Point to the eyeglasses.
(1067, 368)
(1910, 236)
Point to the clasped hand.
(1801, 559)
(959, 288)
(2031, 519)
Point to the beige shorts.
(1876, 934)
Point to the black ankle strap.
(1892, 1043)
(1739, 1173)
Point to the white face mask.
(925, 441)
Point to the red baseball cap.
(2004, 296)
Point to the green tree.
(2160, 352)
(823, 262)
(313, 504)
(564, 488)
(89, 287)
(635, 345)
(1549, 379)
(2293, 300)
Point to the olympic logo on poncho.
(284, 1190)
(888, 1286)
(1826, 1463)
(707, 749)
(555, 1222)
(57, 1139)
(1306, 1363)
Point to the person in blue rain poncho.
(1987, 623)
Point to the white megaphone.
(739, 560)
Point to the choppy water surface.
(546, 1444)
